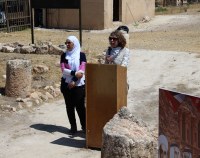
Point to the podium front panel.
(103, 84)
(122, 87)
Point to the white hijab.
(73, 56)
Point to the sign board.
(65, 4)
(179, 124)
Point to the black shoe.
(83, 130)
(73, 130)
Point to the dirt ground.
(178, 32)
(165, 53)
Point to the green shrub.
(161, 9)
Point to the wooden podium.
(106, 93)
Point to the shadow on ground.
(72, 141)
(50, 128)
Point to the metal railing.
(14, 15)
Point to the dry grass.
(177, 39)
(184, 38)
(93, 45)
(177, 9)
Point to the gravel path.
(42, 132)
(151, 70)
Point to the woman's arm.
(126, 57)
(65, 68)
(78, 74)
(83, 61)
(107, 56)
(62, 64)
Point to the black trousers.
(74, 99)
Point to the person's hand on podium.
(109, 58)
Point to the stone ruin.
(124, 136)
(19, 85)
(38, 48)
(18, 78)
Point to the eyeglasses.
(68, 42)
(113, 38)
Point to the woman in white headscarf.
(73, 82)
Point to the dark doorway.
(38, 18)
(115, 10)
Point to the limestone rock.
(57, 85)
(146, 19)
(42, 50)
(34, 95)
(18, 77)
(23, 100)
(49, 95)
(7, 49)
(27, 50)
(17, 50)
(40, 69)
(125, 136)
(55, 50)
(44, 97)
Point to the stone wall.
(40, 48)
(134, 10)
(98, 14)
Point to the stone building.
(99, 14)
(179, 125)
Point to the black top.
(82, 59)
